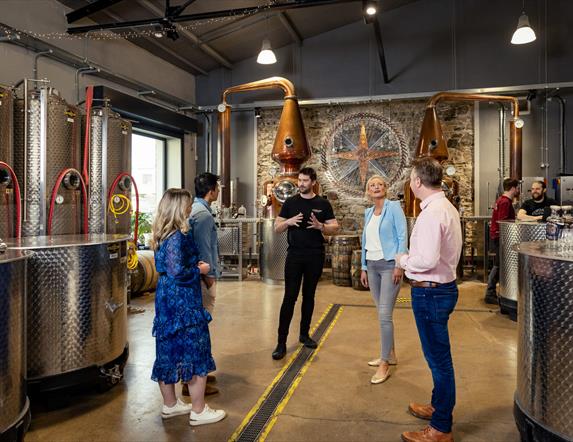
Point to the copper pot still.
(290, 148)
(433, 144)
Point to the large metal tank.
(77, 307)
(510, 234)
(15, 408)
(272, 253)
(109, 155)
(6, 148)
(46, 143)
(544, 394)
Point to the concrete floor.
(334, 400)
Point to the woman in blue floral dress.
(180, 327)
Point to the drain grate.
(252, 431)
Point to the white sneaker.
(177, 410)
(207, 416)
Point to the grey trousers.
(384, 293)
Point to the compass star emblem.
(364, 155)
(359, 145)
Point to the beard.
(304, 190)
(537, 197)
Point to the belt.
(427, 284)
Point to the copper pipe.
(290, 148)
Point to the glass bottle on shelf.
(554, 225)
(567, 233)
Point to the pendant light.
(266, 56)
(524, 33)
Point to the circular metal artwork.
(361, 145)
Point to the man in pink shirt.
(435, 248)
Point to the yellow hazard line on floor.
(282, 404)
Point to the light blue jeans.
(384, 293)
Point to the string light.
(121, 34)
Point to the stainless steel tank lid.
(543, 249)
(523, 223)
(13, 255)
(47, 242)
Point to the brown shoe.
(185, 390)
(428, 434)
(211, 379)
(422, 411)
(210, 389)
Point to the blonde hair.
(372, 178)
(171, 215)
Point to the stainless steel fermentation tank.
(544, 393)
(15, 408)
(76, 309)
(512, 233)
(46, 144)
(109, 156)
(7, 185)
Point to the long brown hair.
(172, 215)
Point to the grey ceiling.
(210, 44)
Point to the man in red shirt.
(502, 210)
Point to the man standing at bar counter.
(435, 248)
(502, 210)
(307, 217)
(536, 208)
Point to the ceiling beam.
(380, 46)
(205, 48)
(90, 9)
(287, 23)
(163, 47)
(237, 25)
(294, 4)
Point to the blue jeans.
(432, 308)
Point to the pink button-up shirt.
(435, 243)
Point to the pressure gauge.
(450, 170)
(519, 123)
(59, 199)
(264, 200)
(222, 107)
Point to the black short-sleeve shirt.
(300, 239)
(534, 208)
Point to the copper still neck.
(432, 142)
(290, 147)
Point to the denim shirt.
(205, 235)
(393, 231)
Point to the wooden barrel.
(341, 252)
(144, 277)
(356, 270)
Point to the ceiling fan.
(173, 14)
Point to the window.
(148, 170)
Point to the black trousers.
(493, 277)
(305, 269)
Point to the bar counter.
(544, 395)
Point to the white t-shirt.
(373, 245)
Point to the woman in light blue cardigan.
(384, 236)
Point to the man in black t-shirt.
(307, 217)
(536, 208)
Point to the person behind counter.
(536, 208)
(502, 210)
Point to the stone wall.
(406, 117)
